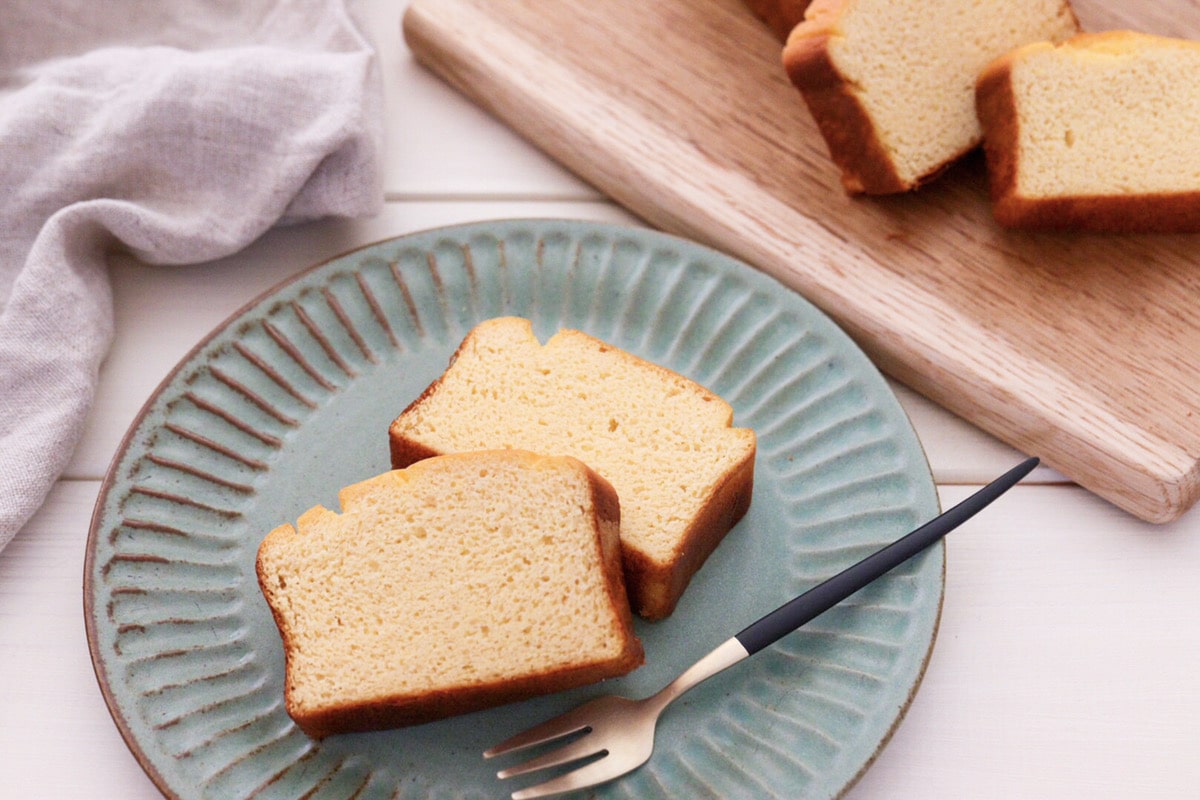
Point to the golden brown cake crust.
(850, 133)
(386, 713)
(404, 450)
(728, 504)
(996, 107)
(844, 123)
(1176, 212)
(391, 712)
(995, 102)
(781, 16)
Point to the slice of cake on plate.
(460, 583)
(684, 475)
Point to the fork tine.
(580, 748)
(599, 771)
(572, 721)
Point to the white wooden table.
(1068, 660)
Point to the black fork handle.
(821, 598)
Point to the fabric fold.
(179, 137)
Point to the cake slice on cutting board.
(1099, 133)
(891, 83)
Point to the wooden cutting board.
(1082, 349)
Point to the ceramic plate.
(291, 399)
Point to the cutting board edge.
(1157, 492)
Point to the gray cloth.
(176, 130)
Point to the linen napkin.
(177, 130)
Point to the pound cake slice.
(460, 583)
(891, 83)
(1100, 133)
(683, 474)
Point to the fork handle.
(824, 596)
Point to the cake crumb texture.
(459, 583)
(891, 83)
(1097, 133)
(683, 473)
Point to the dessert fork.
(618, 733)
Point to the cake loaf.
(460, 583)
(1099, 133)
(684, 475)
(891, 83)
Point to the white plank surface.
(1066, 661)
(1065, 666)
(438, 144)
(57, 739)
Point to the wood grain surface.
(1082, 349)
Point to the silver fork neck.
(723, 656)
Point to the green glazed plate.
(291, 399)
